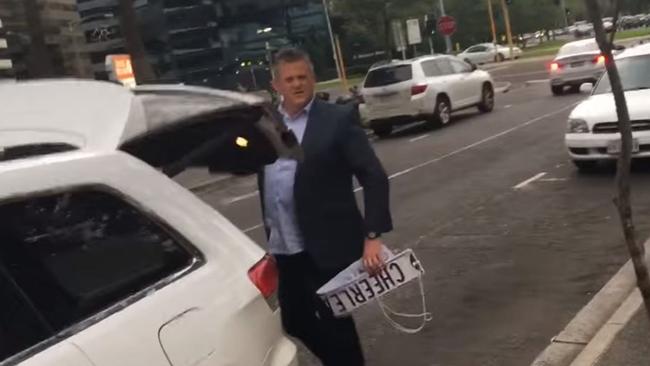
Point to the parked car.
(583, 29)
(428, 87)
(576, 63)
(488, 52)
(608, 24)
(106, 261)
(593, 133)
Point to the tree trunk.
(134, 45)
(622, 200)
(39, 59)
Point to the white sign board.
(354, 287)
(413, 31)
(5, 64)
(398, 35)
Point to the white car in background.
(593, 133)
(104, 260)
(488, 52)
(576, 63)
(425, 88)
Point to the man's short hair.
(289, 55)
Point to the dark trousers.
(305, 316)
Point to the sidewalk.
(631, 347)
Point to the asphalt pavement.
(514, 241)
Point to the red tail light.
(599, 60)
(264, 275)
(418, 89)
(555, 66)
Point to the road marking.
(242, 197)
(529, 180)
(521, 74)
(445, 156)
(419, 137)
(554, 180)
(537, 81)
(481, 142)
(253, 228)
(508, 106)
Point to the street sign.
(120, 69)
(413, 31)
(398, 36)
(446, 25)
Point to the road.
(513, 239)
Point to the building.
(222, 43)
(6, 65)
(44, 39)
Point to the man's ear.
(274, 84)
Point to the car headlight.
(577, 126)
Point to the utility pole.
(493, 27)
(506, 17)
(447, 38)
(332, 42)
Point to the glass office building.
(220, 43)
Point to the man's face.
(295, 81)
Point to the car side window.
(460, 67)
(444, 66)
(65, 257)
(477, 49)
(431, 69)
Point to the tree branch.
(622, 201)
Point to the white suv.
(104, 260)
(428, 87)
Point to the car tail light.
(264, 275)
(418, 89)
(555, 66)
(599, 60)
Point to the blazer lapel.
(312, 131)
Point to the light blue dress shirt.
(279, 205)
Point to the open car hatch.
(168, 126)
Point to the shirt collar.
(305, 110)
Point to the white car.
(428, 87)
(104, 260)
(576, 63)
(593, 133)
(488, 52)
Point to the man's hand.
(372, 260)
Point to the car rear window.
(572, 49)
(388, 75)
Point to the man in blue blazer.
(315, 228)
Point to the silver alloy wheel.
(444, 112)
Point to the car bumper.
(589, 146)
(576, 78)
(395, 114)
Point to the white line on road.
(242, 197)
(537, 81)
(508, 106)
(529, 180)
(554, 180)
(481, 142)
(445, 156)
(253, 228)
(419, 137)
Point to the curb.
(601, 342)
(583, 328)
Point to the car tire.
(442, 112)
(500, 57)
(382, 131)
(557, 89)
(585, 166)
(487, 99)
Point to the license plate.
(577, 64)
(614, 147)
(398, 271)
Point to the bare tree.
(134, 45)
(622, 200)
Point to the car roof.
(581, 42)
(101, 116)
(640, 50)
(410, 61)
